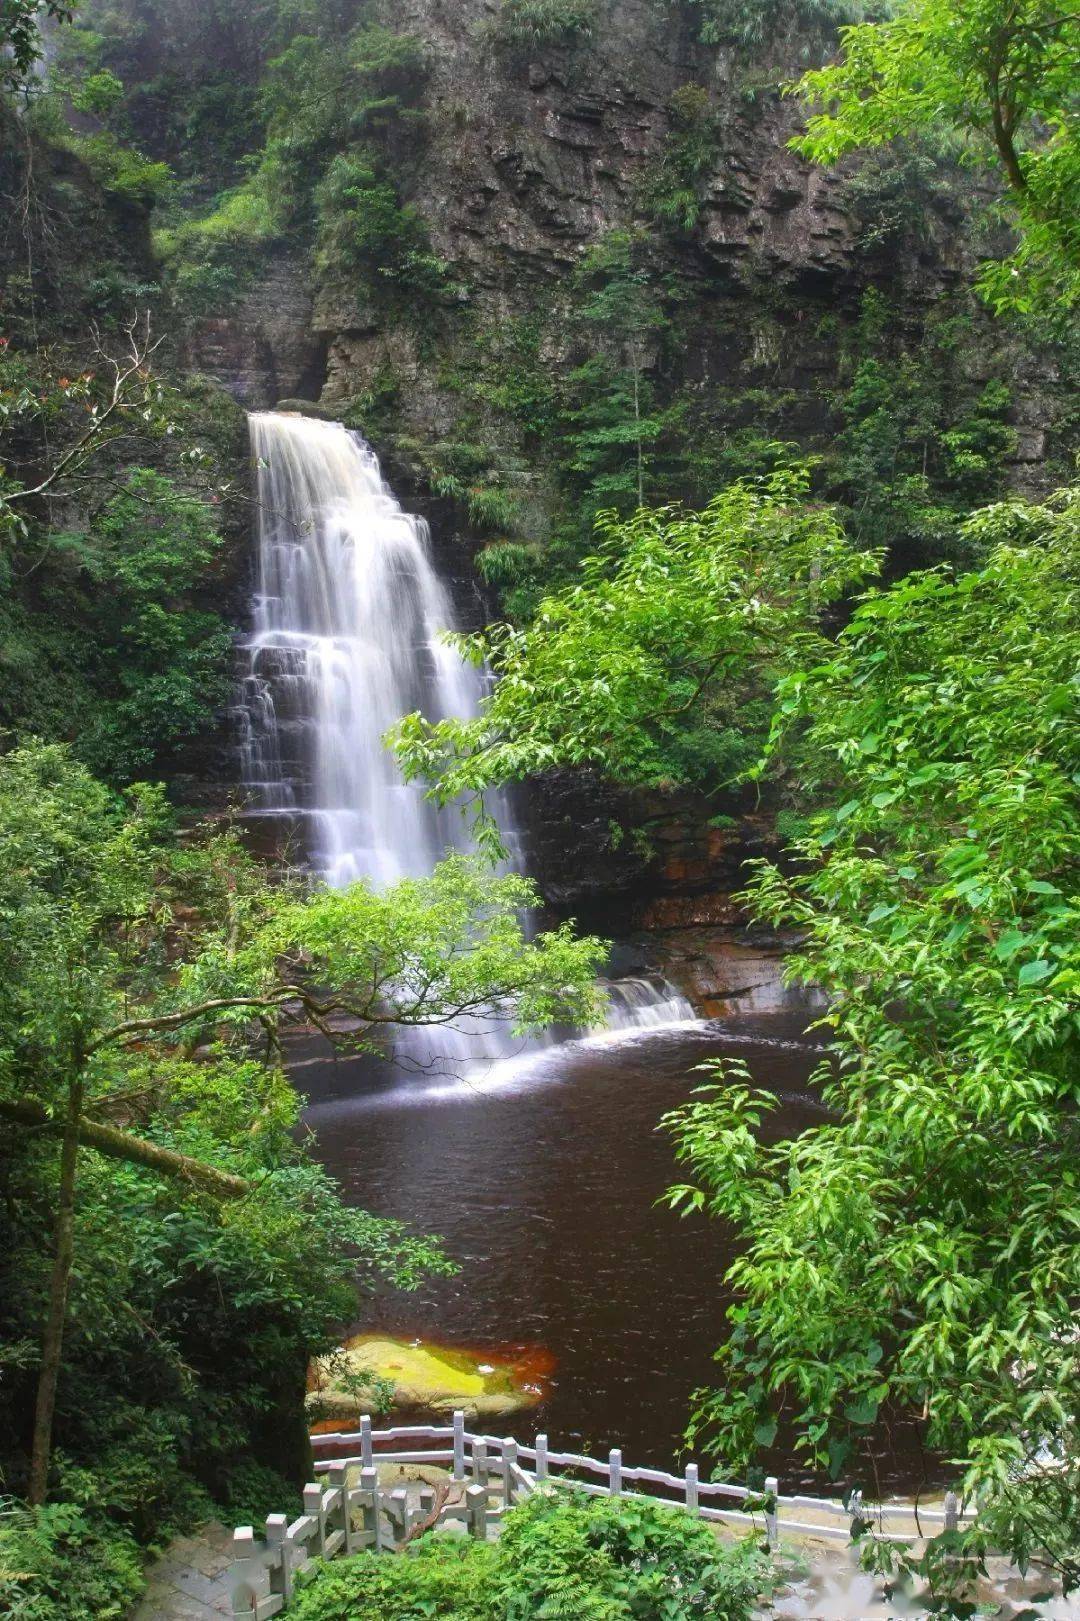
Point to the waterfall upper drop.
(347, 619)
(346, 638)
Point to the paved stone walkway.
(188, 1582)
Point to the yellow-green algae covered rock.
(433, 1378)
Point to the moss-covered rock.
(433, 1378)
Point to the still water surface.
(542, 1176)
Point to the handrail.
(346, 1509)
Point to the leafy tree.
(1002, 76)
(656, 664)
(159, 665)
(55, 451)
(917, 1252)
(95, 965)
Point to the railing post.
(615, 1472)
(369, 1485)
(313, 1507)
(399, 1509)
(772, 1515)
(337, 1480)
(952, 1512)
(692, 1499)
(249, 1580)
(476, 1498)
(278, 1563)
(367, 1456)
(459, 1446)
(541, 1457)
(480, 1463)
(509, 1459)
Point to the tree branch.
(133, 1150)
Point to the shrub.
(561, 1555)
(544, 22)
(435, 1577)
(364, 230)
(61, 1563)
(598, 1558)
(211, 259)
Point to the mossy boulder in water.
(432, 1378)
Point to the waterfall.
(345, 640)
(348, 611)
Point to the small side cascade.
(645, 1002)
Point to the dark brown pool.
(542, 1176)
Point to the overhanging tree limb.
(134, 1150)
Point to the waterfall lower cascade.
(347, 619)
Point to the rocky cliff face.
(533, 154)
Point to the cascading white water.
(645, 1003)
(345, 640)
(347, 619)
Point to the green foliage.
(434, 1577)
(894, 193)
(544, 22)
(342, 108)
(106, 148)
(62, 1561)
(918, 1251)
(365, 231)
(463, 472)
(673, 625)
(586, 1557)
(1003, 78)
(147, 972)
(108, 636)
(560, 1556)
(160, 666)
(611, 424)
(212, 257)
(750, 24)
(674, 190)
(921, 444)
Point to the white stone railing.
(347, 1509)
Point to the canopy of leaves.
(919, 1252)
(159, 973)
(1002, 76)
(92, 959)
(678, 621)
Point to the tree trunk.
(133, 1150)
(53, 1339)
